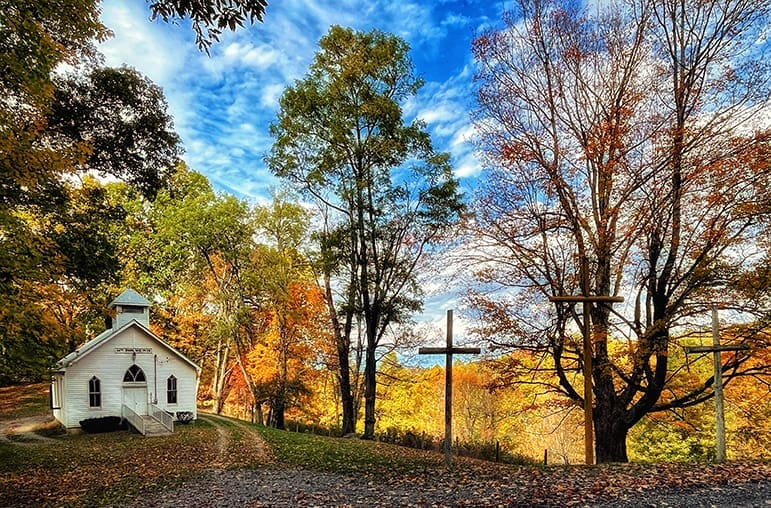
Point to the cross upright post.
(587, 353)
(448, 352)
(717, 366)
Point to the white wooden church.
(127, 371)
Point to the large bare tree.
(625, 144)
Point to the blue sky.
(222, 104)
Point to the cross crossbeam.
(587, 301)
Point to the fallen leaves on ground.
(108, 469)
(476, 483)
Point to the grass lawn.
(98, 469)
(347, 456)
(24, 400)
(77, 469)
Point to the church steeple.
(128, 306)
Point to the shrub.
(491, 452)
(102, 424)
(184, 417)
(311, 428)
(410, 439)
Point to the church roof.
(130, 297)
(107, 335)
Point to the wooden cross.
(716, 348)
(587, 300)
(448, 352)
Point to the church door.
(135, 389)
(135, 397)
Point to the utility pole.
(588, 352)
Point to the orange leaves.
(513, 152)
(263, 364)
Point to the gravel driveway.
(283, 488)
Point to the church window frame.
(171, 390)
(135, 375)
(94, 393)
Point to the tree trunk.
(259, 416)
(279, 402)
(370, 387)
(343, 346)
(220, 376)
(277, 413)
(609, 438)
(348, 406)
(247, 380)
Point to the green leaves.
(340, 138)
(34, 38)
(119, 118)
(209, 17)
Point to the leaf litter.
(199, 467)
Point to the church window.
(94, 392)
(134, 375)
(171, 390)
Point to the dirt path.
(23, 431)
(250, 447)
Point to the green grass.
(120, 467)
(77, 469)
(347, 456)
(16, 458)
(99, 469)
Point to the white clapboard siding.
(109, 361)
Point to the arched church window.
(94, 392)
(134, 375)
(171, 390)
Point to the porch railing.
(133, 418)
(162, 417)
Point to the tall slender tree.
(340, 136)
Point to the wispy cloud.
(224, 103)
(152, 48)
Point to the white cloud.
(463, 137)
(259, 57)
(455, 20)
(148, 47)
(467, 166)
(271, 94)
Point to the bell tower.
(129, 306)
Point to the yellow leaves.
(263, 364)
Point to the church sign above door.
(136, 350)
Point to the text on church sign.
(137, 350)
